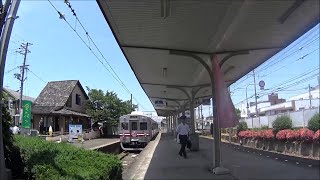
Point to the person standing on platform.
(183, 132)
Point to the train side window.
(143, 126)
(124, 126)
(134, 126)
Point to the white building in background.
(274, 105)
(315, 94)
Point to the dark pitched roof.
(16, 95)
(69, 112)
(43, 109)
(56, 93)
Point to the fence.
(299, 118)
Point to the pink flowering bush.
(305, 135)
(281, 135)
(292, 135)
(268, 134)
(316, 136)
(245, 134)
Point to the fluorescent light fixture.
(165, 8)
(164, 73)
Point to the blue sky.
(58, 54)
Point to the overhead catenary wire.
(278, 59)
(296, 60)
(283, 85)
(114, 74)
(316, 30)
(281, 60)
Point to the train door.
(133, 130)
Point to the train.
(136, 131)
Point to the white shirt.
(15, 130)
(183, 129)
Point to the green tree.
(12, 155)
(238, 112)
(106, 106)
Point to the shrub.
(316, 136)
(12, 156)
(245, 134)
(282, 122)
(242, 126)
(281, 135)
(47, 160)
(305, 135)
(268, 134)
(255, 134)
(264, 127)
(292, 135)
(314, 123)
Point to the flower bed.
(300, 142)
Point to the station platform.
(95, 144)
(160, 160)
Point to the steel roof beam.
(199, 52)
(182, 86)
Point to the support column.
(169, 127)
(168, 124)
(217, 168)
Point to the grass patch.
(48, 160)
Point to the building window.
(69, 102)
(78, 99)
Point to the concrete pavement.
(160, 160)
(96, 143)
(252, 165)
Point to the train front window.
(134, 126)
(124, 126)
(143, 126)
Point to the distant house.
(59, 104)
(13, 100)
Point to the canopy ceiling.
(147, 30)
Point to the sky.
(57, 53)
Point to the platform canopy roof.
(148, 31)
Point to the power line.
(281, 60)
(296, 60)
(11, 70)
(278, 87)
(36, 76)
(314, 30)
(116, 77)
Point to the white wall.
(277, 106)
(305, 104)
(315, 95)
(299, 118)
(252, 109)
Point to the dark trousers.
(183, 142)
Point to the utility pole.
(24, 51)
(310, 97)
(131, 100)
(201, 117)
(255, 96)
(4, 42)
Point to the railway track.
(128, 158)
